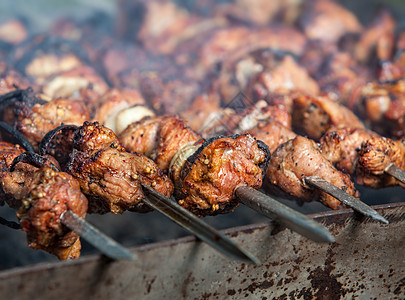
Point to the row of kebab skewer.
(70, 143)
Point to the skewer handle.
(344, 197)
(285, 215)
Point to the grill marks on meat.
(160, 138)
(210, 176)
(298, 158)
(110, 176)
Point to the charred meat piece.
(34, 117)
(382, 106)
(43, 56)
(375, 155)
(107, 109)
(382, 25)
(314, 116)
(292, 161)
(42, 196)
(72, 84)
(327, 20)
(110, 176)
(285, 76)
(273, 134)
(50, 194)
(7, 154)
(159, 138)
(341, 146)
(208, 178)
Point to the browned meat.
(112, 103)
(298, 158)
(375, 155)
(110, 176)
(283, 77)
(10, 79)
(209, 177)
(7, 154)
(341, 146)
(314, 116)
(34, 122)
(382, 25)
(227, 121)
(160, 138)
(327, 20)
(68, 84)
(42, 195)
(232, 43)
(200, 110)
(42, 56)
(50, 194)
(340, 78)
(272, 134)
(382, 106)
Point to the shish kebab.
(213, 176)
(46, 198)
(35, 118)
(115, 180)
(291, 176)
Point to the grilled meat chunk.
(292, 161)
(42, 195)
(375, 155)
(49, 195)
(314, 116)
(110, 176)
(341, 146)
(327, 20)
(207, 180)
(272, 134)
(382, 105)
(7, 154)
(159, 138)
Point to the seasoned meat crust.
(375, 155)
(272, 134)
(110, 176)
(42, 195)
(298, 158)
(7, 154)
(314, 116)
(210, 176)
(159, 138)
(341, 146)
(50, 194)
(36, 121)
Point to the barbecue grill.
(366, 260)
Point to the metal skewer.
(283, 214)
(193, 224)
(95, 237)
(395, 172)
(344, 197)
